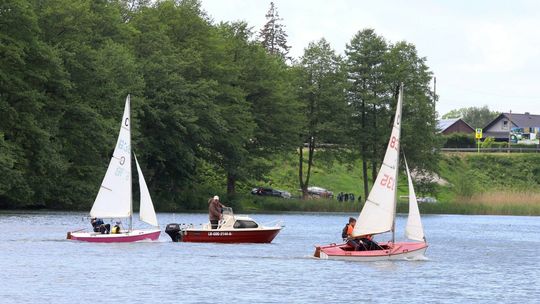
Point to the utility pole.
(509, 130)
(434, 88)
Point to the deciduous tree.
(476, 117)
(321, 88)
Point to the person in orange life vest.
(347, 231)
(347, 235)
(214, 211)
(364, 242)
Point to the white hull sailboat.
(379, 212)
(114, 199)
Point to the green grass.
(333, 175)
(478, 184)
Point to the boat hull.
(396, 251)
(127, 237)
(261, 235)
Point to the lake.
(471, 259)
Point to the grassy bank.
(498, 184)
(494, 183)
(483, 204)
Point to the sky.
(481, 52)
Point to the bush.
(467, 184)
(488, 142)
(459, 140)
(499, 144)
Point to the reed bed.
(488, 203)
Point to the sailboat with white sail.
(114, 198)
(379, 212)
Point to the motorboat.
(231, 229)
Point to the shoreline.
(432, 209)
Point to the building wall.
(458, 127)
(499, 126)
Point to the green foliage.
(488, 142)
(375, 70)
(459, 140)
(321, 88)
(476, 117)
(273, 36)
(500, 145)
(516, 171)
(466, 184)
(212, 109)
(31, 88)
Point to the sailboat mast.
(399, 104)
(130, 173)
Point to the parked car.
(320, 192)
(427, 199)
(266, 191)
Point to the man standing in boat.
(214, 211)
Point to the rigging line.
(106, 188)
(391, 167)
(372, 202)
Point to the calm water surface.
(471, 259)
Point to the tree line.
(212, 102)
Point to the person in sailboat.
(368, 243)
(100, 226)
(347, 236)
(215, 209)
(362, 243)
(347, 231)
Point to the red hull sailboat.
(114, 198)
(379, 212)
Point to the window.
(505, 125)
(245, 224)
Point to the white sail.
(414, 229)
(114, 197)
(146, 213)
(379, 211)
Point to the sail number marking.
(394, 143)
(388, 182)
(124, 146)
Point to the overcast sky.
(482, 52)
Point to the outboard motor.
(174, 231)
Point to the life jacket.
(115, 229)
(344, 231)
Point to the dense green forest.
(213, 103)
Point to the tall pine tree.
(365, 58)
(272, 35)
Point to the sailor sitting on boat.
(362, 243)
(100, 226)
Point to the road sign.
(478, 133)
